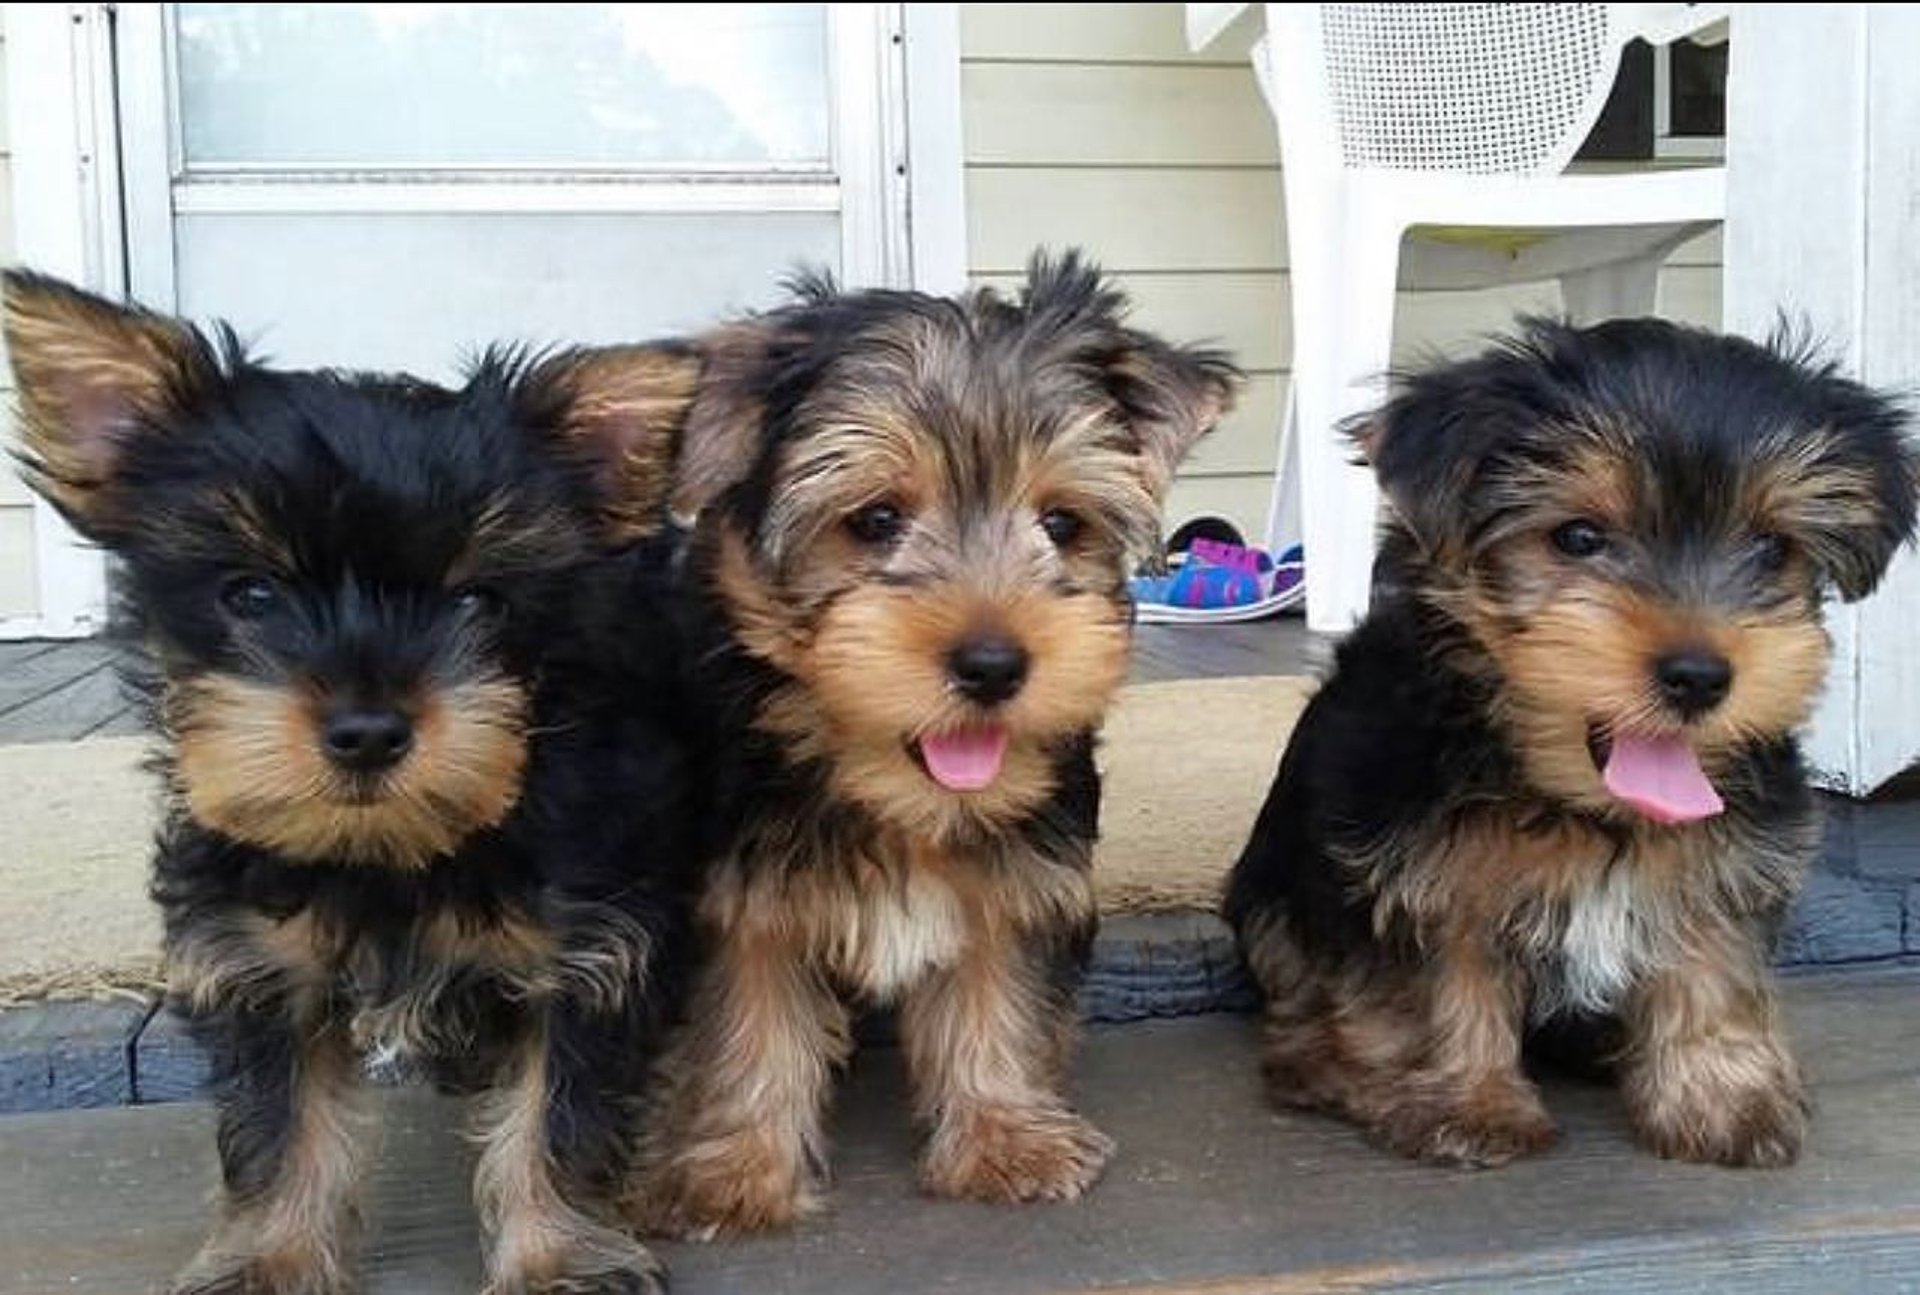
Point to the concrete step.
(1213, 1192)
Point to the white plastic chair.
(1436, 120)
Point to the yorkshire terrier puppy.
(1552, 780)
(916, 516)
(426, 805)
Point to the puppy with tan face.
(916, 519)
(1552, 782)
(427, 806)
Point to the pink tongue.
(1660, 777)
(967, 759)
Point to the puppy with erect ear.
(916, 520)
(429, 803)
(1553, 779)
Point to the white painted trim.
(869, 142)
(936, 152)
(199, 197)
(146, 155)
(62, 204)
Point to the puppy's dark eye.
(250, 598)
(479, 602)
(879, 523)
(1580, 539)
(1771, 551)
(1061, 526)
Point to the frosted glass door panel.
(683, 87)
(417, 292)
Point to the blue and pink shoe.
(1221, 583)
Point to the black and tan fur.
(410, 654)
(1439, 867)
(888, 481)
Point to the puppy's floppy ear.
(1856, 497)
(1421, 445)
(620, 409)
(93, 375)
(1170, 395)
(722, 435)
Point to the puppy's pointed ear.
(723, 429)
(1424, 446)
(92, 376)
(1857, 494)
(1172, 396)
(620, 410)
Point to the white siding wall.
(1091, 126)
(19, 589)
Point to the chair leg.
(1343, 337)
(1615, 291)
(1283, 506)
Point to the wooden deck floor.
(1213, 1192)
(57, 692)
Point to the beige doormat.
(1187, 765)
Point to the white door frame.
(868, 186)
(65, 221)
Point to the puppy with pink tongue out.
(1552, 783)
(916, 520)
(1661, 778)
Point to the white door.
(392, 185)
(396, 185)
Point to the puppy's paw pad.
(1759, 1131)
(255, 1275)
(729, 1190)
(1010, 1155)
(1477, 1136)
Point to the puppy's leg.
(1708, 1075)
(1330, 1041)
(735, 1143)
(1468, 1102)
(290, 1155)
(986, 1042)
(554, 1137)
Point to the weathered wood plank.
(33, 669)
(72, 710)
(1212, 1191)
(67, 1055)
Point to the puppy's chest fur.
(418, 994)
(881, 912)
(1587, 912)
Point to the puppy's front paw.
(1007, 1154)
(728, 1186)
(224, 1272)
(1482, 1129)
(1760, 1127)
(603, 1263)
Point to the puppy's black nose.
(367, 741)
(988, 669)
(1693, 682)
